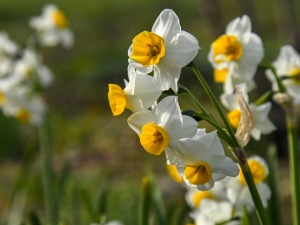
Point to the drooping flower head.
(164, 50)
(53, 27)
(161, 127)
(236, 54)
(287, 66)
(139, 94)
(202, 161)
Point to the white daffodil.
(164, 50)
(202, 161)
(8, 50)
(236, 54)
(24, 106)
(194, 197)
(112, 222)
(138, 95)
(212, 212)
(261, 122)
(53, 27)
(31, 67)
(161, 127)
(287, 66)
(238, 192)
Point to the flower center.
(234, 118)
(295, 75)
(220, 75)
(60, 19)
(154, 138)
(258, 171)
(23, 116)
(117, 99)
(147, 48)
(199, 173)
(200, 195)
(227, 46)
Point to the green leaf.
(245, 218)
(33, 218)
(157, 202)
(144, 207)
(89, 205)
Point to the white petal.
(137, 120)
(166, 25)
(166, 74)
(184, 48)
(224, 165)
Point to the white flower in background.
(31, 67)
(236, 54)
(23, 105)
(238, 192)
(194, 197)
(112, 222)
(212, 212)
(53, 27)
(202, 161)
(287, 66)
(261, 122)
(138, 95)
(164, 50)
(8, 50)
(161, 127)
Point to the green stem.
(294, 165)
(207, 116)
(215, 102)
(279, 83)
(260, 210)
(47, 175)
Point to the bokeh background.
(98, 151)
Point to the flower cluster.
(23, 74)
(225, 202)
(217, 187)
(198, 156)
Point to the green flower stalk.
(239, 140)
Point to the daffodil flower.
(161, 127)
(202, 161)
(23, 105)
(164, 50)
(53, 27)
(287, 66)
(31, 67)
(236, 54)
(8, 50)
(259, 114)
(212, 212)
(194, 197)
(138, 95)
(238, 192)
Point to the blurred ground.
(102, 151)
